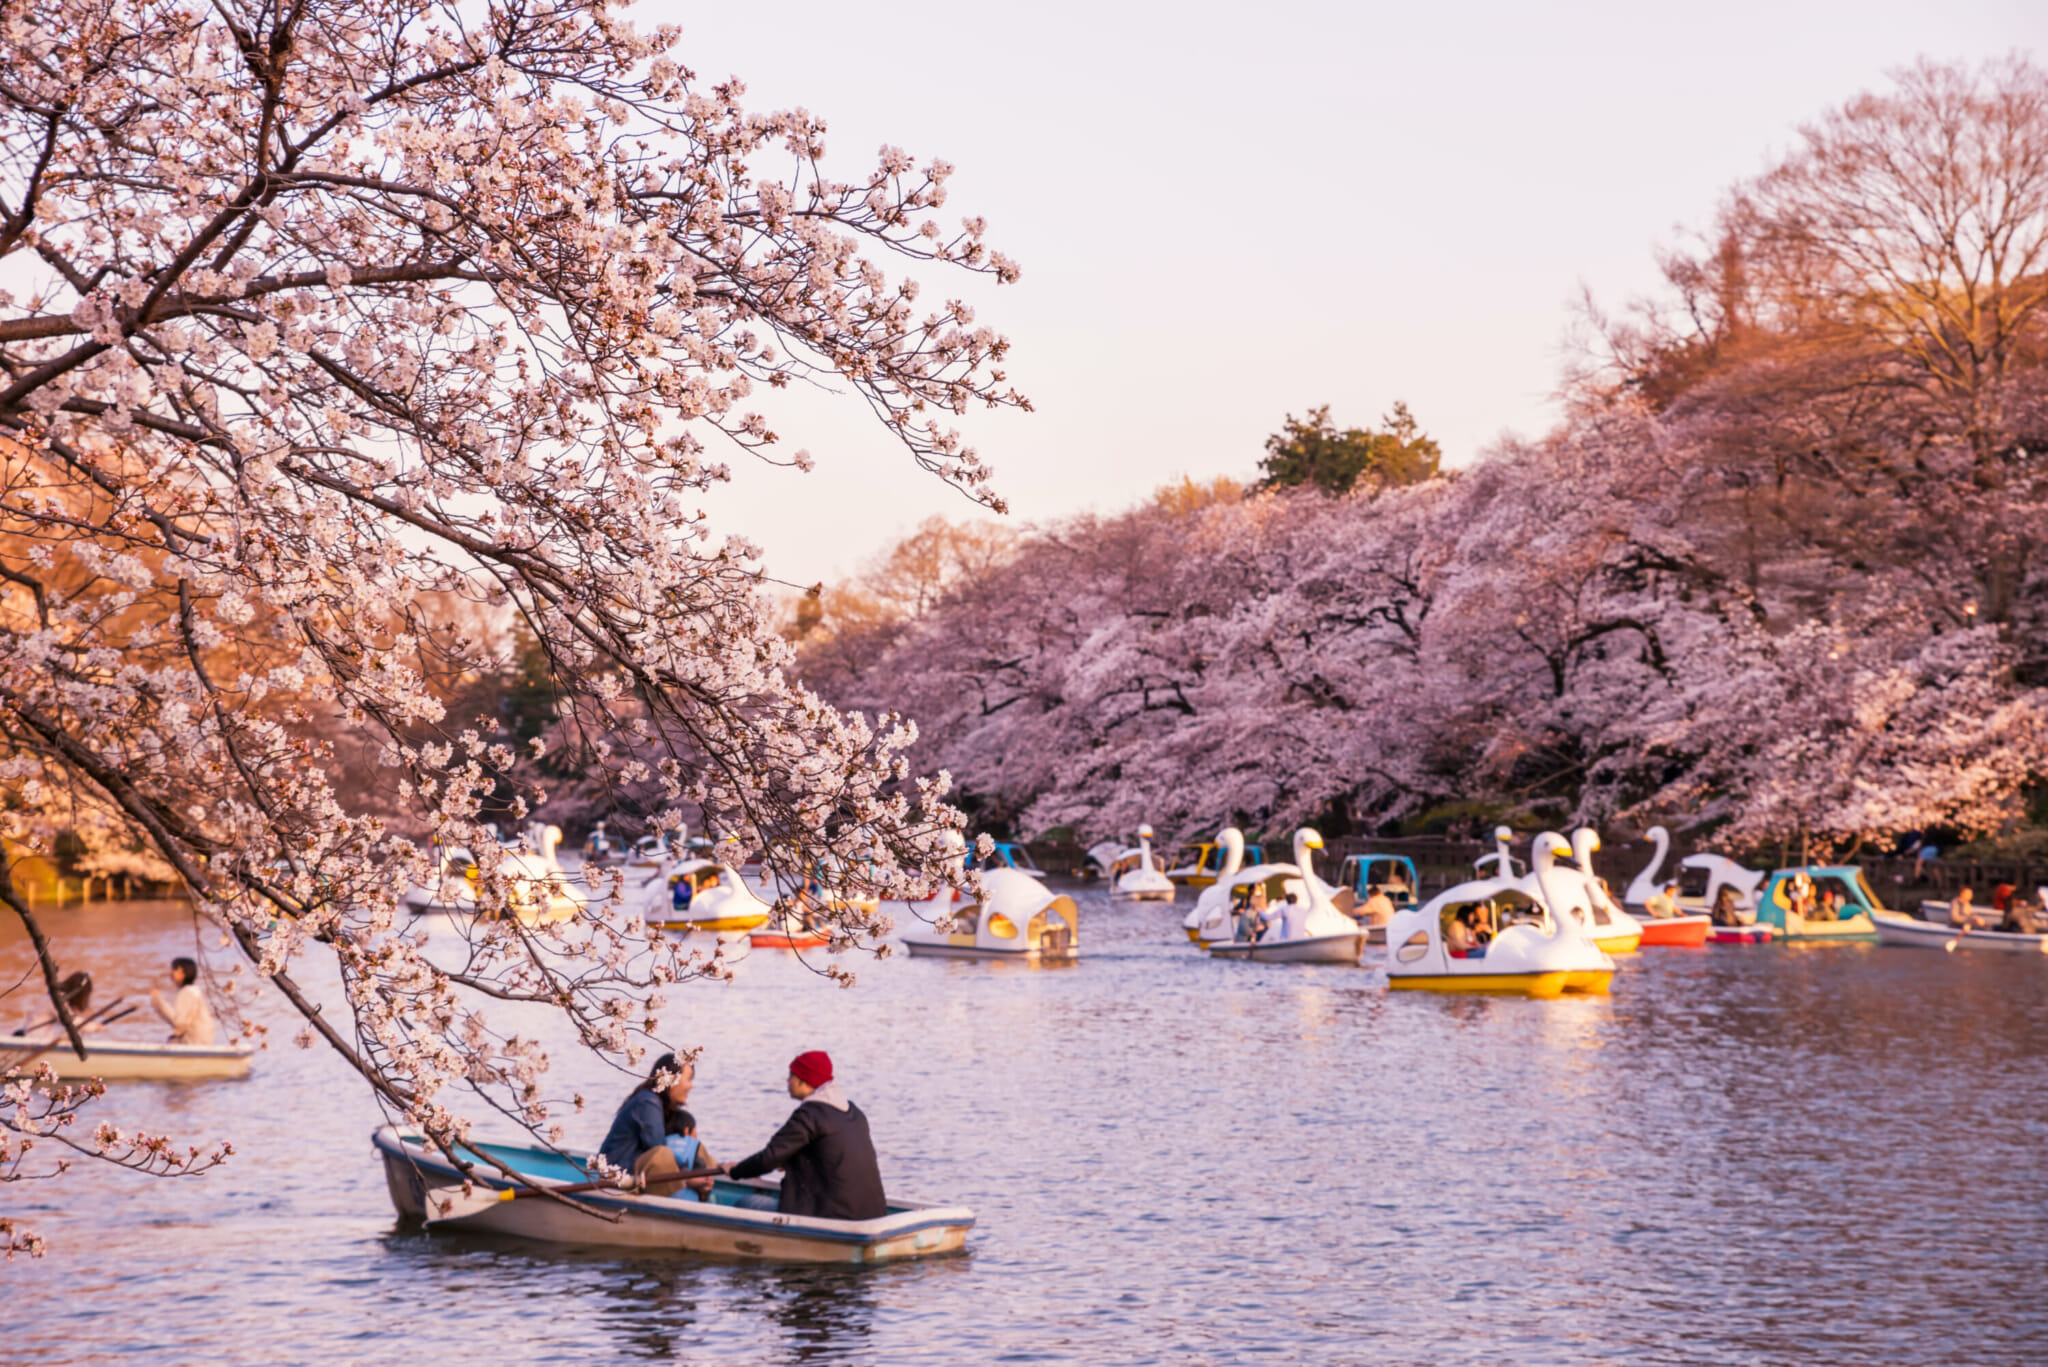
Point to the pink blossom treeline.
(1779, 567)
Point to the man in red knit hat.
(827, 1159)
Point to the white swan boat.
(1217, 895)
(541, 890)
(425, 1186)
(1722, 872)
(1613, 929)
(1308, 930)
(1534, 952)
(122, 1060)
(1139, 874)
(1017, 918)
(719, 899)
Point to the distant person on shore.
(824, 1150)
(638, 1141)
(190, 1018)
(1663, 903)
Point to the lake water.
(1827, 1154)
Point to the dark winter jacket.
(828, 1164)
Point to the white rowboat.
(1896, 929)
(421, 1180)
(129, 1060)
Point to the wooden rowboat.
(1894, 928)
(128, 1060)
(421, 1178)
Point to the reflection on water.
(1826, 1153)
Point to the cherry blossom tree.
(314, 317)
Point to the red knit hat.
(813, 1069)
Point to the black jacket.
(828, 1164)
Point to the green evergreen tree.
(1313, 451)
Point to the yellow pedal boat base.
(1586, 982)
(1620, 944)
(722, 923)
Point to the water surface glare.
(1820, 1154)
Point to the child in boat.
(827, 1158)
(190, 1018)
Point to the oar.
(461, 1205)
(52, 1020)
(64, 1042)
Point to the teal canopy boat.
(1777, 904)
(1007, 854)
(426, 1187)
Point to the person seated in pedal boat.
(1461, 939)
(190, 1018)
(1725, 912)
(638, 1145)
(1377, 909)
(824, 1150)
(1830, 907)
(1663, 903)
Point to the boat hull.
(775, 939)
(414, 1173)
(1625, 943)
(1741, 935)
(919, 949)
(135, 1060)
(1909, 933)
(1318, 949)
(716, 923)
(1554, 983)
(1688, 932)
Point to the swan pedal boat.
(722, 901)
(1018, 918)
(1309, 931)
(121, 1060)
(1542, 947)
(1897, 928)
(416, 1172)
(1139, 875)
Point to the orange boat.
(1689, 931)
(787, 931)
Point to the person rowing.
(190, 1018)
(639, 1142)
(824, 1151)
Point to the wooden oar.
(461, 1205)
(64, 1042)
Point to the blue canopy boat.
(425, 1186)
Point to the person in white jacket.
(190, 1017)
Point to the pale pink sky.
(1227, 213)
